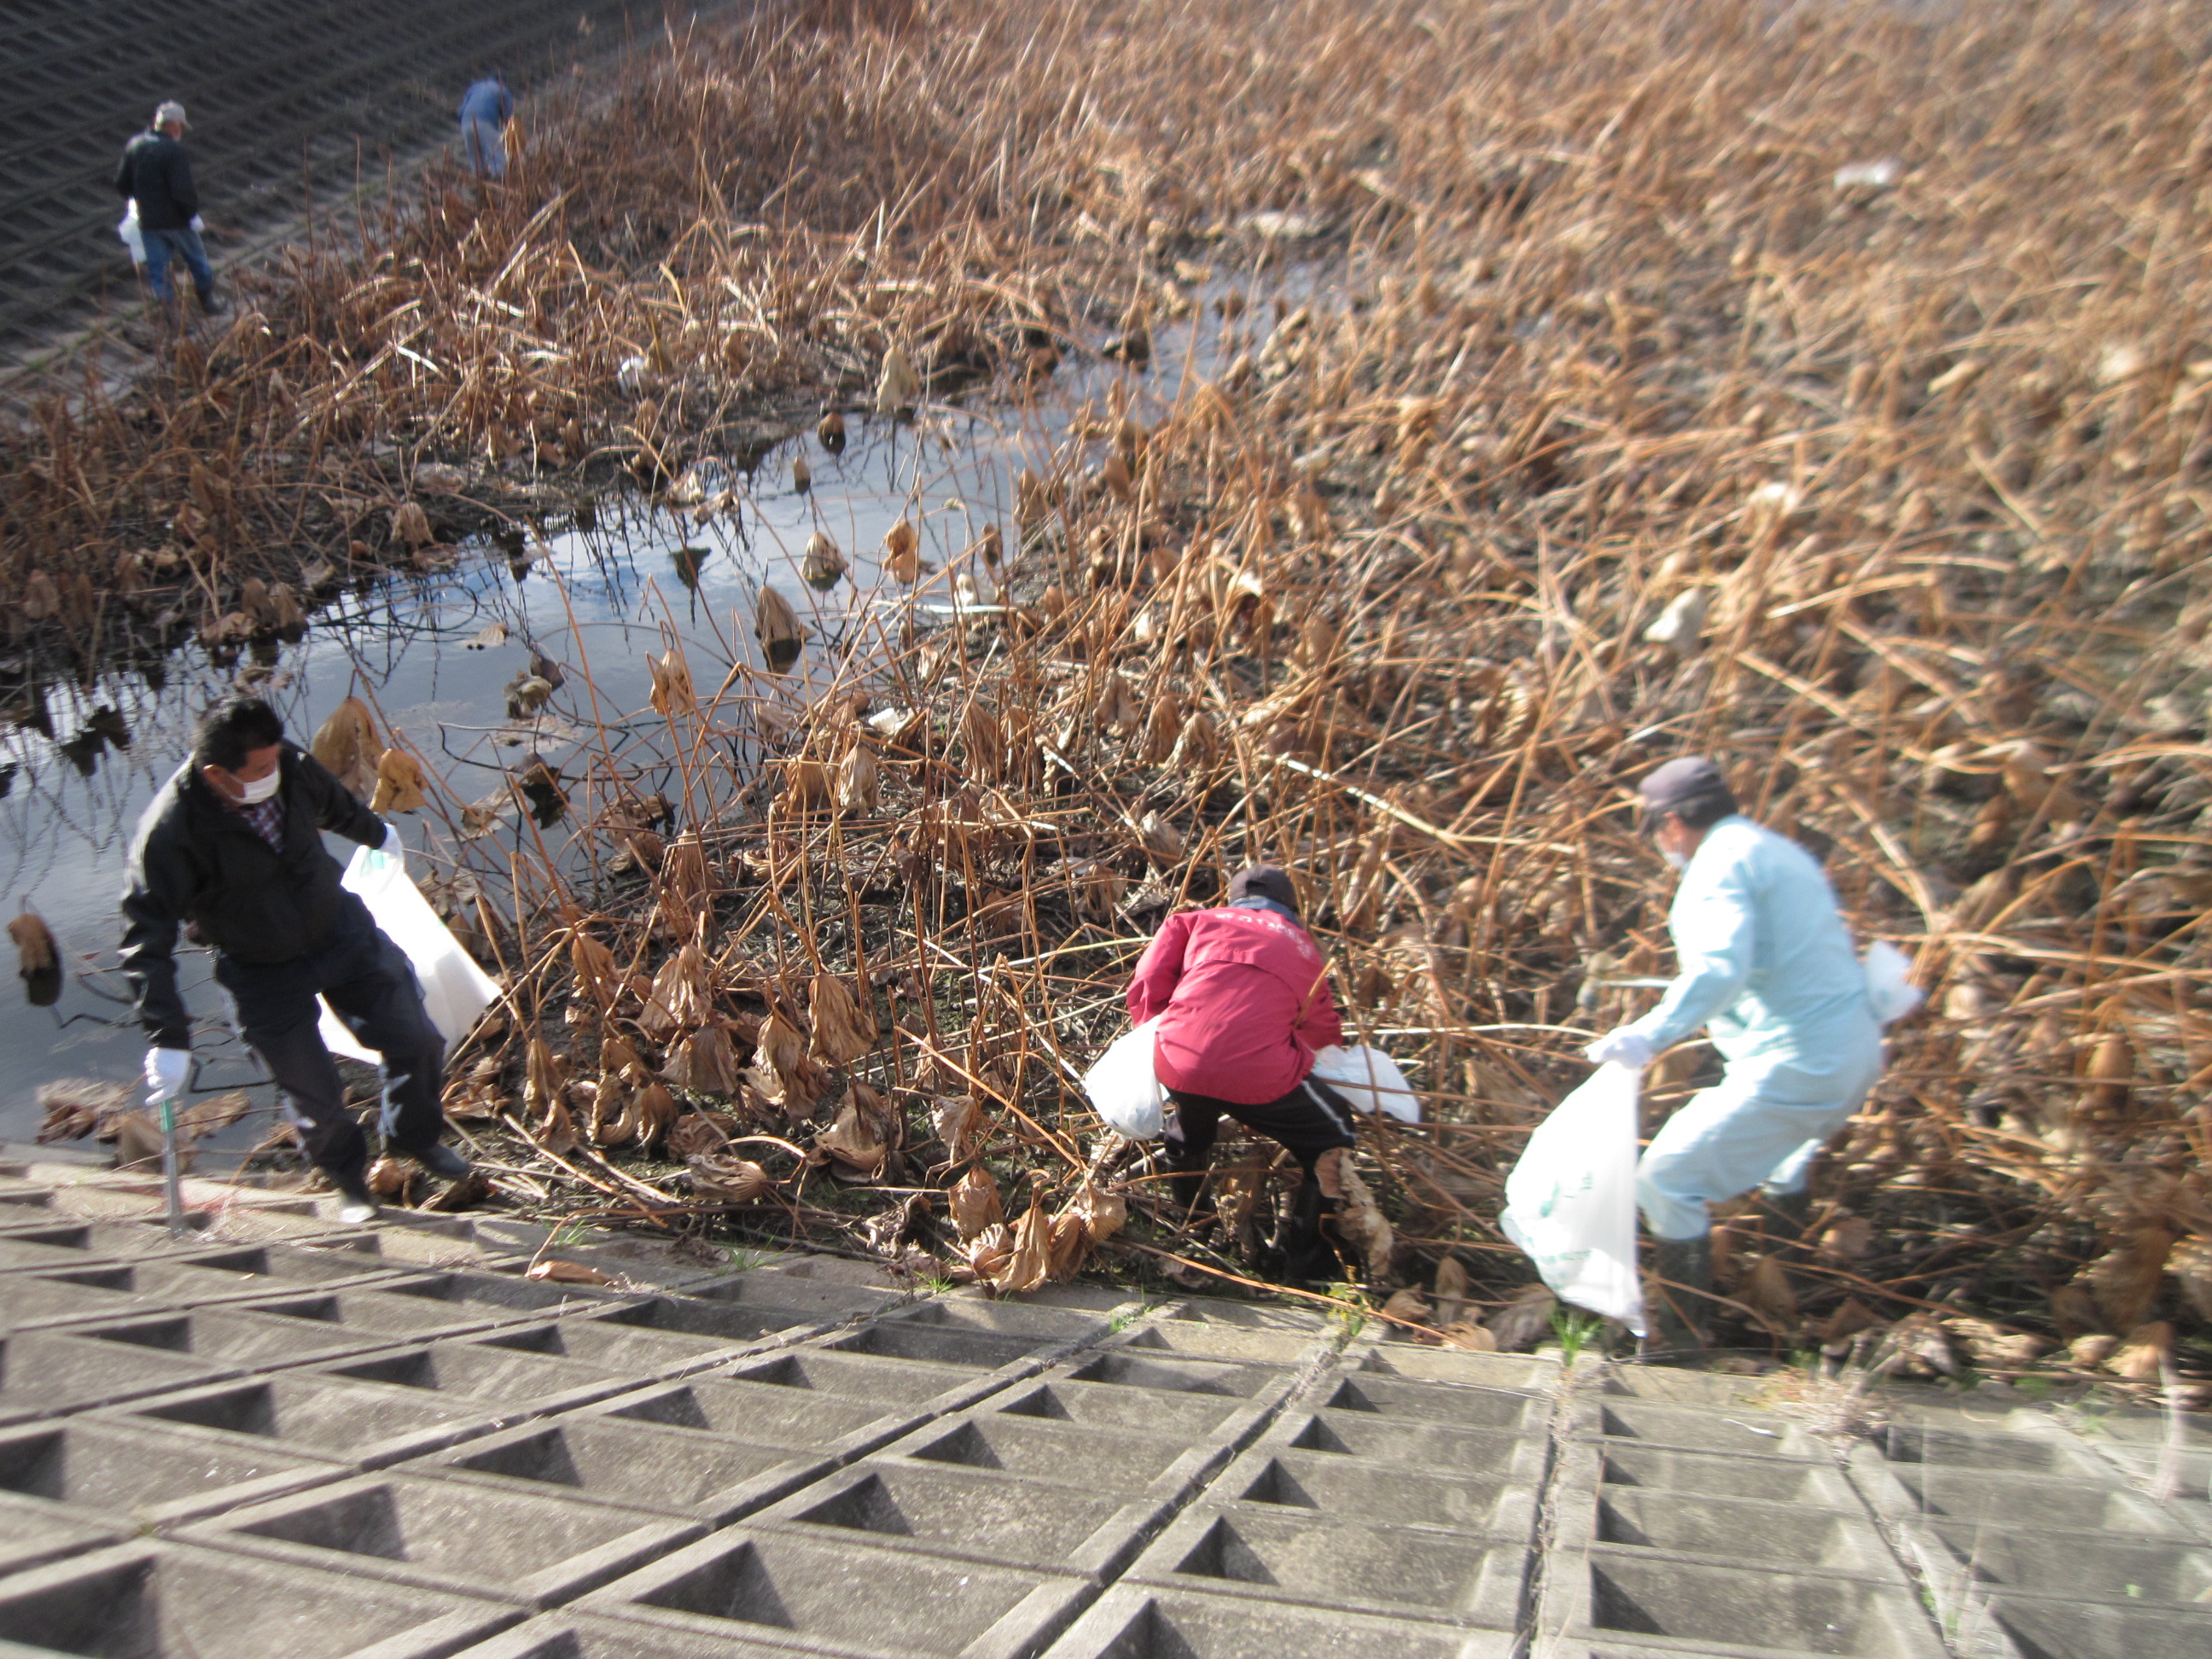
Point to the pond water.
(605, 591)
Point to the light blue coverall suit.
(1767, 966)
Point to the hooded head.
(1266, 881)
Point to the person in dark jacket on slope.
(231, 849)
(1243, 1000)
(157, 173)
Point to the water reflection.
(510, 673)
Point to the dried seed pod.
(776, 626)
(823, 563)
(902, 552)
(844, 1026)
(411, 525)
(593, 964)
(1162, 840)
(859, 782)
(727, 1180)
(346, 745)
(830, 432)
(852, 1145)
(671, 684)
(401, 784)
(41, 600)
(899, 388)
(974, 1203)
(2110, 1071)
(705, 1062)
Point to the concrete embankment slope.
(281, 1439)
(283, 94)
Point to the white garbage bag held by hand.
(1890, 991)
(1622, 1046)
(455, 991)
(1570, 1202)
(1124, 1089)
(1368, 1080)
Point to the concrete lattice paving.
(280, 1439)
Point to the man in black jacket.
(232, 848)
(157, 174)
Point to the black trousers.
(1312, 1119)
(1309, 1120)
(371, 988)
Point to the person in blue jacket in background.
(486, 108)
(1768, 968)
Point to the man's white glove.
(197, 224)
(1622, 1046)
(165, 1071)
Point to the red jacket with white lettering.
(1246, 1002)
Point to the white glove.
(1622, 1046)
(197, 224)
(165, 1071)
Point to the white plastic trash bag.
(1368, 1080)
(455, 991)
(1889, 989)
(1124, 1089)
(127, 231)
(1570, 1202)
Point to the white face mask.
(1674, 860)
(253, 793)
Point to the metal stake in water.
(170, 1168)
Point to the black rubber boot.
(1677, 1335)
(1786, 1216)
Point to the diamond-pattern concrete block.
(1177, 1375)
(45, 1373)
(918, 1385)
(2047, 1627)
(583, 1636)
(1709, 1474)
(1042, 1449)
(844, 1598)
(526, 1383)
(1644, 1596)
(1728, 1532)
(2068, 1502)
(611, 1344)
(705, 1477)
(1172, 1414)
(2090, 1566)
(973, 1514)
(1350, 1488)
(34, 1534)
(1402, 1572)
(268, 1334)
(1451, 1406)
(1750, 1433)
(1225, 1342)
(319, 1415)
(168, 1601)
(1482, 1370)
(1374, 1438)
(763, 1415)
(442, 1534)
(1135, 1621)
(92, 1471)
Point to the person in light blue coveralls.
(1768, 968)
(486, 108)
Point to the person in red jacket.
(1243, 1001)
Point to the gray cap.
(170, 110)
(1691, 785)
(1268, 881)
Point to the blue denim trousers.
(163, 245)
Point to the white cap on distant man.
(170, 111)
